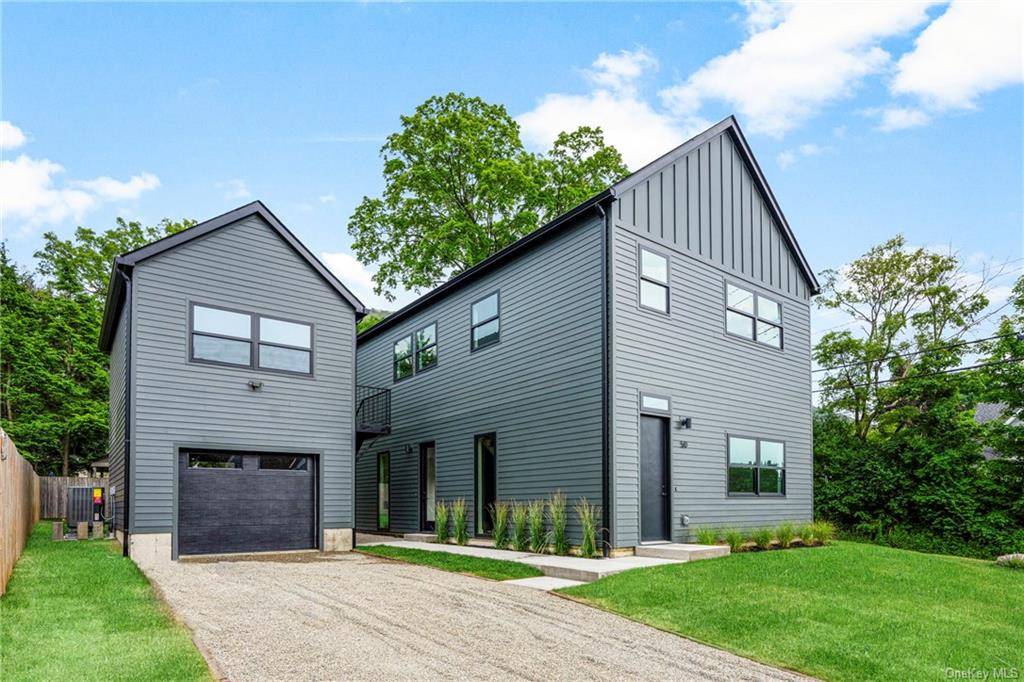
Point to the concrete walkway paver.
(544, 582)
(357, 617)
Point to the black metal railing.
(373, 409)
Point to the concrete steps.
(682, 552)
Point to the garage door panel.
(245, 509)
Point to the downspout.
(127, 408)
(606, 533)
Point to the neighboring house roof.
(521, 245)
(125, 262)
(987, 412)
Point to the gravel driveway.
(350, 616)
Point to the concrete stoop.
(420, 537)
(682, 552)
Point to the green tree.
(372, 317)
(460, 185)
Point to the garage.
(245, 502)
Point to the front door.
(654, 524)
(428, 485)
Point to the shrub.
(735, 539)
(558, 518)
(806, 533)
(520, 527)
(441, 523)
(824, 532)
(588, 514)
(785, 534)
(1014, 561)
(459, 520)
(762, 538)
(707, 536)
(538, 536)
(499, 522)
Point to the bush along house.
(649, 351)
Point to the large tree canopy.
(460, 185)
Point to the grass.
(81, 611)
(494, 569)
(848, 611)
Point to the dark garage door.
(239, 502)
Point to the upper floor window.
(403, 358)
(654, 288)
(426, 347)
(486, 322)
(753, 316)
(756, 466)
(232, 337)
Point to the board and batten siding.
(539, 389)
(115, 436)
(246, 266)
(703, 211)
(706, 203)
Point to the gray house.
(648, 350)
(232, 393)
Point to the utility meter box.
(85, 504)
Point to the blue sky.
(868, 120)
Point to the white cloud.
(327, 198)
(235, 188)
(899, 118)
(11, 136)
(109, 189)
(799, 57)
(973, 48)
(639, 131)
(359, 280)
(30, 197)
(788, 157)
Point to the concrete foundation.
(150, 549)
(337, 540)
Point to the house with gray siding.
(232, 393)
(649, 351)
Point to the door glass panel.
(431, 474)
(383, 491)
(285, 462)
(204, 460)
(486, 482)
(224, 322)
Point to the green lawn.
(495, 569)
(845, 612)
(81, 611)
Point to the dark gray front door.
(242, 502)
(653, 479)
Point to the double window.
(415, 353)
(756, 466)
(654, 287)
(486, 322)
(232, 337)
(753, 316)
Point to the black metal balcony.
(373, 413)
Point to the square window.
(769, 334)
(485, 309)
(769, 310)
(216, 349)
(285, 333)
(221, 322)
(738, 324)
(741, 480)
(653, 266)
(287, 359)
(740, 300)
(654, 295)
(742, 451)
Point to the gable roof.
(126, 262)
(731, 126)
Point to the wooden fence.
(19, 505)
(53, 494)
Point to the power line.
(958, 344)
(953, 370)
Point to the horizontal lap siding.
(719, 229)
(249, 267)
(539, 389)
(115, 437)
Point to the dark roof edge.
(489, 263)
(125, 262)
(731, 124)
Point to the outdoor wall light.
(685, 423)
(255, 385)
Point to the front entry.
(654, 499)
(428, 486)
(486, 493)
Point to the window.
(209, 460)
(654, 289)
(486, 322)
(756, 466)
(403, 358)
(426, 347)
(383, 491)
(486, 481)
(655, 403)
(286, 462)
(226, 337)
(753, 316)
